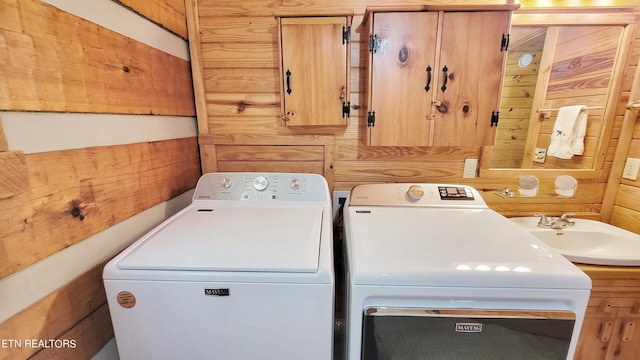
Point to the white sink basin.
(588, 241)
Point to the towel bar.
(634, 105)
(544, 113)
(587, 108)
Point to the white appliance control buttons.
(226, 183)
(294, 184)
(260, 183)
(415, 192)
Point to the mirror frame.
(622, 16)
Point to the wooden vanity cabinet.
(434, 77)
(613, 314)
(314, 69)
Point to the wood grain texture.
(76, 193)
(55, 61)
(75, 311)
(169, 14)
(13, 174)
(614, 300)
(240, 69)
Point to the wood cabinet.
(434, 77)
(315, 54)
(609, 329)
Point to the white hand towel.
(581, 131)
(568, 133)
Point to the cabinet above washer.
(434, 76)
(314, 70)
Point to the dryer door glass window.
(391, 333)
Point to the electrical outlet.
(339, 198)
(631, 168)
(470, 168)
(539, 155)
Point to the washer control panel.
(261, 187)
(426, 195)
(455, 193)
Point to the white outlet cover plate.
(470, 168)
(631, 168)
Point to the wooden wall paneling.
(279, 158)
(195, 51)
(208, 158)
(60, 62)
(611, 212)
(257, 29)
(269, 153)
(239, 55)
(240, 69)
(4, 146)
(170, 14)
(272, 166)
(253, 104)
(260, 81)
(90, 334)
(73, 194)
(58, 313)
(625, 218)
(13, 174)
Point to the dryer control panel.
(261, 187)
(425, 195)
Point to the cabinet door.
(625, 343)
(597, 331)
(471, 67)
(404, 47)
(314, 70)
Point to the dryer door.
(411, 333)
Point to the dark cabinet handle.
(288, 81)
(444, 84)
(428, 87)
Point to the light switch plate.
(631, 168)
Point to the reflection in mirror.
(518, 88)
(569, 65)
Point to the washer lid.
(233, 238)
(451, 248)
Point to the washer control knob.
(226, 183)
(294, 184)
(260, 183)
(415, 192)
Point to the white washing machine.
(244, 272)
(433, 273)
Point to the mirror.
(549, 67)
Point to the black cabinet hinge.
(346, 34)
(374, 43)
(504, 44)
(495, 117)
(371, 119)
(346, 109)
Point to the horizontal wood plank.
(13, 174)
(314, 167)
(55, 61)
(57, 314)
(76, 193)
(170, 14)
(270, 153)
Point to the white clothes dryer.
(433, 273)
(244, 272)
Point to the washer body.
(244, 272)
(433, 273)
